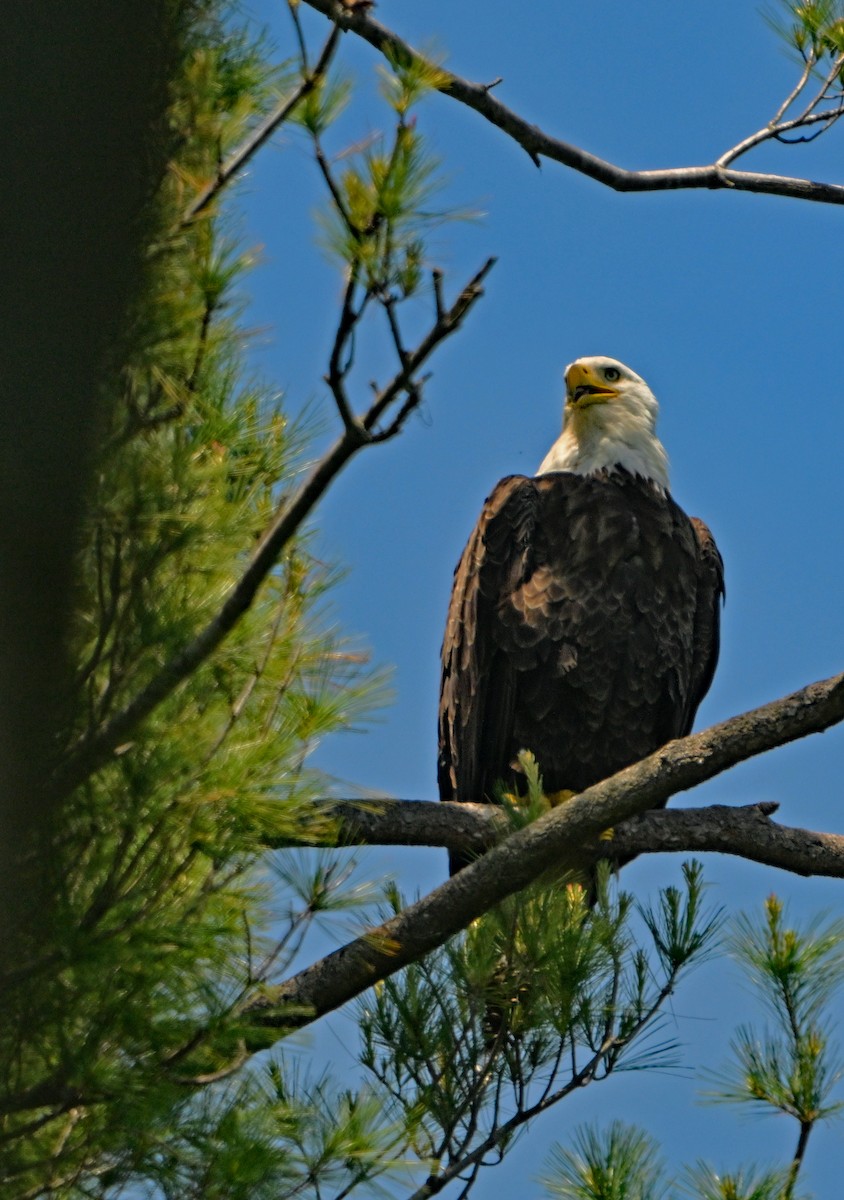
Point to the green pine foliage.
(789, 1066)
(126, 1064)
(543, 996)
(818, 26)
(622, 1163)
(816, 31)
(792, 1065)
(123, 1011)
(381, 195)
(702, 1182)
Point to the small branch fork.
(558, 841)
(365, 286)
(365, 430)
(399, 397)
(811, 115)
(355, 18)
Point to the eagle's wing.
(477, 691)
(707, 625)
(583, 623)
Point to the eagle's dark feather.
(583, 626)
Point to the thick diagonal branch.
(539, 144)
(556, 841)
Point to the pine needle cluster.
(541, 997)
(791, 1065)
(121, 1011)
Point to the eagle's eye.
(611, 374)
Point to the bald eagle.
(584, 616)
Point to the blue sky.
(728, 304)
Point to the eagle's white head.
(609, 420)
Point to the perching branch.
(746, 832)
(538, 144)
(555, 841)
(400, 395)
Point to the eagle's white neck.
(604, 436)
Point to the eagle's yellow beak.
(583, 387)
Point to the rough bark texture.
(555, 841)
(746, 832)
(538, 144)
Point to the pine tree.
(131, 1051)
(122, 1003)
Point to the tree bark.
(563, 839)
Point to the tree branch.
(539, 145)
(746, 832)
(473, 828)
(446, 324)
(555, 841)
(238, 158)
(96, 748)
(775, 132)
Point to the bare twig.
(808, 68)
(445, 325)
(554, 841)
(833, 77)
(806, 1128)
(96, 747)
(203, 1079)
(437, 279)
(337, 368)
(771, 132)
(293, 9)
(238, 158)
(538, 144)
(389, 305)
(334, 189)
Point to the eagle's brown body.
(583, 626)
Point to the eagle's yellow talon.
(515, 799)
(607, 835)
(555, 799)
